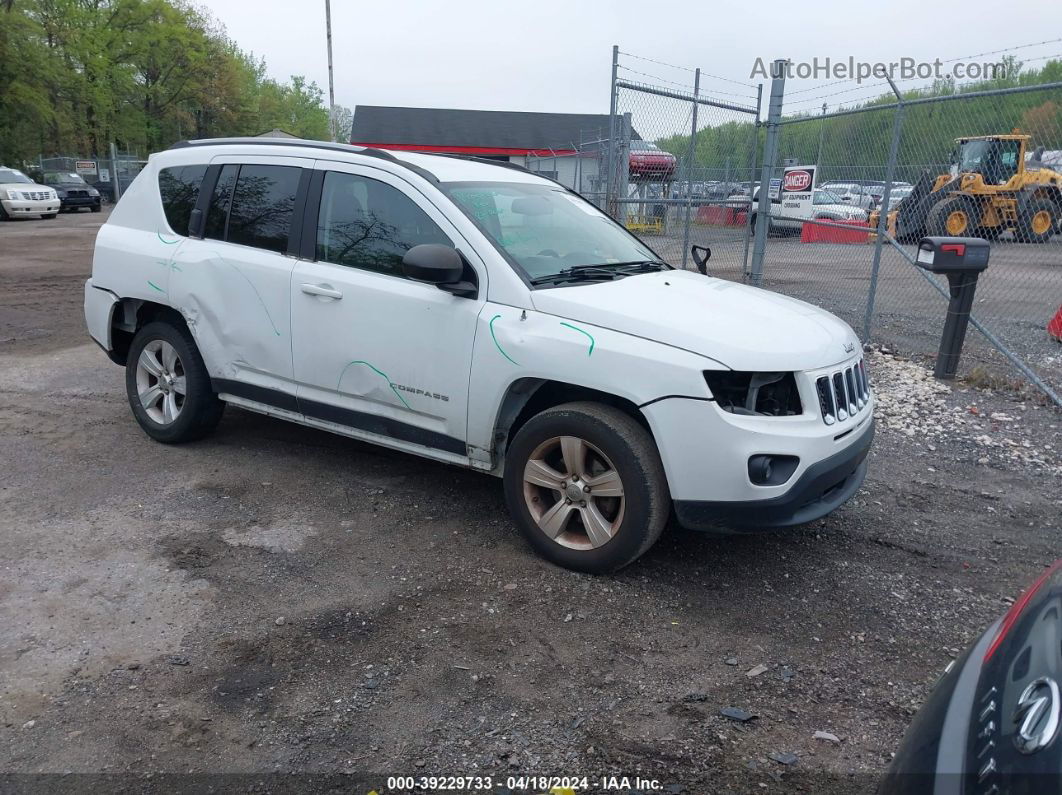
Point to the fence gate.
(681, 163)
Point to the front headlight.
(757, 394)
(93, 192)
(14, 195)
(60, 194)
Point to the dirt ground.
(276, 600)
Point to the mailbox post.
(961, 259)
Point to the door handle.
(322, 290)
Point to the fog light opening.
(772, 470)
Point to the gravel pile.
(934, 414)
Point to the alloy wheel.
(573, 492)
(160, 382)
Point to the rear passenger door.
(233, 283)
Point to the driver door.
(374, 351)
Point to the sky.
(556, 56)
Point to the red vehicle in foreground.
(650, 162)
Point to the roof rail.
(382, 154)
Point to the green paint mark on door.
(380, 373)
(155, 286)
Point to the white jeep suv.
(476, 314)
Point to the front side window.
(364, 223)
(263, 203)
(544, 229)
(179, 188)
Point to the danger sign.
(798, 180)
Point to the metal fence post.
(890, 172)
(114, 173)
(623, 155)
(689, 168)
(770, 155)
(752, 178)
(610, 173)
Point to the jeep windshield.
(550, 234)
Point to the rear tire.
(1037, 222)
(585, 485)
(168, 385)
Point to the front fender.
(513, 344)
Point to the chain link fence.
(683, 167)
(110, 175)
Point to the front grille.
(35, 195)
(843, 394)
(77, 194)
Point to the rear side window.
(179, 187)
(368, 224)
(218, 213)
(262, 206)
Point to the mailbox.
(953, 254)
(961, 260)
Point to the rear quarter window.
(179, 188)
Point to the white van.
(476, 314)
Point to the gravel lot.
(278, 600)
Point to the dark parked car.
(74, 192)
(991, 724)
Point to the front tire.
(168, 386)
(585, 485)
(955, 216)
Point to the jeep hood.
(744, 328)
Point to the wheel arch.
(526, 397)
(129, 316)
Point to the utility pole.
(331, 82)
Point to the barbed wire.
(688, 69)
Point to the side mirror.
(440, 265)
(432, 262)
(701, 255)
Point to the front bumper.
(824, 487)
(72, 202)
(16, 207)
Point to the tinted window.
(262, 206)
(180, 191)
(368, 224)
(218, 213)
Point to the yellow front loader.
(988, 190)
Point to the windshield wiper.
(577, 273)
(642, 266)
(608, 270)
